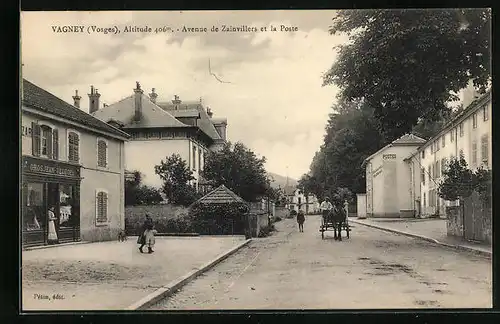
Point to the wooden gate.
(473, 220)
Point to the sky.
(272, 93)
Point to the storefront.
(50, 184)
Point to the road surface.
(372, 269)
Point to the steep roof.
(124, 111)
(407, 139)
(40, 99)
(221, 195)
(204, 122)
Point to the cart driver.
(326, 207)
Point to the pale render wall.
(109, 178)
(452, 149)
(143, 155)
(377, 185)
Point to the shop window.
(101, 207)
(34, 215)
(73, 147)
(66, 207)
(102, 153)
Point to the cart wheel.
(322, 234)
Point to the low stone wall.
(258, 221)
(100, 234)
(135, 215)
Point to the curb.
(425, 238)
(41, 247)
(175, 285)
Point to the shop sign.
(47, 167)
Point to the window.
(425, 202)
(474, 120)
(461, 129)
(199, 159)
(484, 149)
(485, 112)
(443, 165)
(102, 153)
(474, 153)
(452, 135)
(73, 147)
(437, 145)
(194, 158)
(422, 175)
(443, 140)
(101, 207)
(429, 173)
(461, 153)
(46, 141)
(438, 171)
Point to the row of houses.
(75, 162)
(402, 178)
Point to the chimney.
(138, 101)
(93, 100)
(76, 99)
(209, 112)
(153, 95)
(176, 100)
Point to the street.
(372, 269)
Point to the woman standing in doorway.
(52, 226)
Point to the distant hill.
(281, 181)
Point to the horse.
(338, 217)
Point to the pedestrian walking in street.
(148, 235)
(52, 237)
(301, 218)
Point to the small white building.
(469, 135)
(388, 179)
(297, 199)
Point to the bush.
(267, 230)
(213, 219)
(167, 219)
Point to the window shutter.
(55, 146)
(49, 142)
(35, 136)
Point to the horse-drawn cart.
(331, 221)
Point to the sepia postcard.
(249, 160)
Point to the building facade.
(71, 162)
(468, 134)
(296, 199)
(159, 130)
(388, 179)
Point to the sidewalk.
(433, 230)
(112, 275)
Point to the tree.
(457, 180)
(351, 136)
(239, 169)
(138, 194)
(407, 64)
(176, 176)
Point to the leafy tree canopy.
(138, 194)
(408, 63)
(176, 176)
(239, 169)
